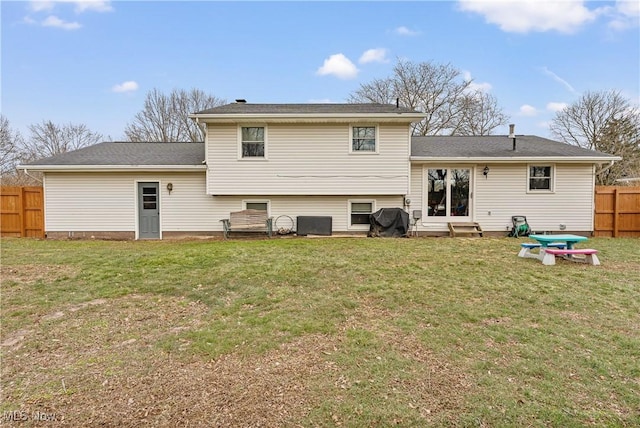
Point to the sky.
(92, 62)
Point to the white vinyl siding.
(309, 159)
(107, 201)
(504, 194)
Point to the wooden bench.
(526, 247)
(248, 221)
(550, 254)
(469, 228)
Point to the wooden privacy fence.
(617, 211)
(22, 212)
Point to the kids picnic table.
(561, 245)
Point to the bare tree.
(582, 122)
(49, 139)
(480, 114)
(165, 118)
(10, 143)
(621, 137)
(603, 121)
(439, 91)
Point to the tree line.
(604, 121)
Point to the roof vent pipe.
(397, 102)
(241, 101)
(512, 134)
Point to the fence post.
(615, 212)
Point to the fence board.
(617, 211)
(22, 212)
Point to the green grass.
(494, 340)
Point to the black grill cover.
(389, 223)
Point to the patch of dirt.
(23, 274)
(99, 364)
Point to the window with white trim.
(540, 178)
(252, 142)
(359, 213)
(364, 139)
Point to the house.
(338, 161)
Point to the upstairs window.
(363, 139)
(253, 142)
(540, 178)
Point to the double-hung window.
(253, 142)
(364, 139)
(540, 178)
(359, 212)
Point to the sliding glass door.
(448, 192)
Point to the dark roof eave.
(111, 168)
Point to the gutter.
(512, 160)
(113, 168)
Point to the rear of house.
(330, 161)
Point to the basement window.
(359, 213)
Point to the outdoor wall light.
(169, 187)
(485, 171)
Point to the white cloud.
(404, 31)
(93, 5)
(80, 5)
(476, 86)
(559, 79)
(524, 16)
(339, 66)
(626, 14)
(628, 7)
(527, 110)
(54, 21)
(555, 107)
(128, 86)
(374, 55)
(39, 6)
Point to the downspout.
(26, 172)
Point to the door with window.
(448, 193)
(148, 211)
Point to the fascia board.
(309, 118)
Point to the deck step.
(467, 228)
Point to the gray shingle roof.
(496, 146)
(249, 108)
(127, 154)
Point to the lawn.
(318, 332)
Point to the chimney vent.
(512, 134)
(241, 101)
